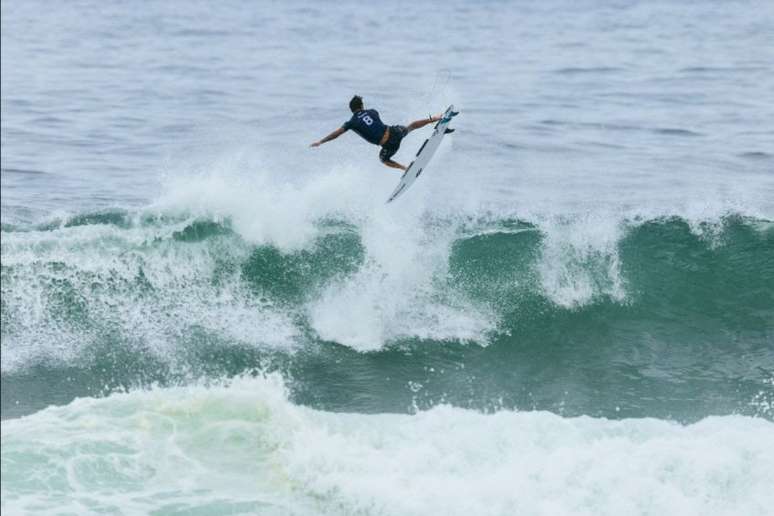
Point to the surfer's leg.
(393, 164)
(416, 124)
(386, 154)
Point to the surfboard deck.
(424, 154)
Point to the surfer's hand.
(315, 144)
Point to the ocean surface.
(571, 312)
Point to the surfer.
(369, 126)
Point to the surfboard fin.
(448, 131)
(447, 118)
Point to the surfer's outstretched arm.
(416, 124)
(335, 134)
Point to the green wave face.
(481, 314)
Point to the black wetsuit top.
(367, 124)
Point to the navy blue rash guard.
(367, 124)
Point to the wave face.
(663, 317)
(244, 448)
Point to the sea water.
(571, 312)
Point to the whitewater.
(570, 312)
(243, 448)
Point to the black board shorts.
(391, 146)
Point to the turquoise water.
(571, 312)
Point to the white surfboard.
(424, 154)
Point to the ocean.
(571, 312)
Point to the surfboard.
(424, 154)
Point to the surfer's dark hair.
(356, 104)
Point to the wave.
(81, 272)
(110, 300)
(244, 446)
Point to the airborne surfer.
(367, 124)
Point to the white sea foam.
(245, 445)
(278, 208)
(136, 281)
(399, 290)
(580, 261)
(393, 294)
